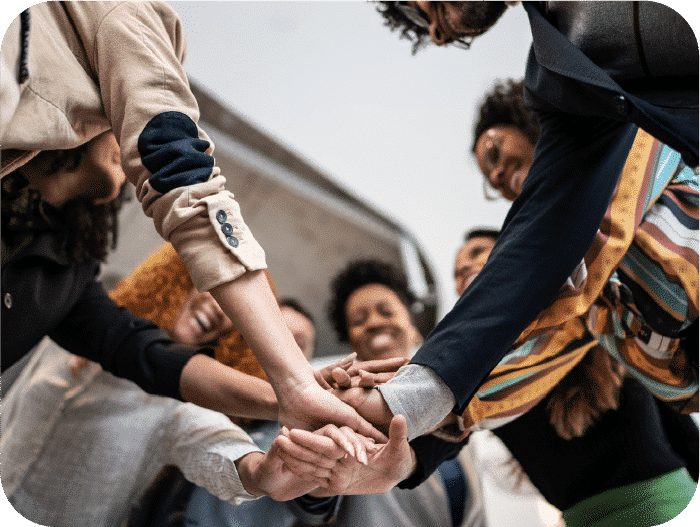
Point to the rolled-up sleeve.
(136, 50)
(205, 445)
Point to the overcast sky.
(329, 81)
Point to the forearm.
(210, 384)
(251, 306)
(570, 183)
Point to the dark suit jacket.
(587, 126)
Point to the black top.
(44, 292)
(627, 445)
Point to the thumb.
(365, 428)
(398, 431)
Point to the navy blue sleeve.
(172, 151)
(314, 511)
(430, 453)
(127, 346)
(547, 232)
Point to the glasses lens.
(413, 15)
(463, 43)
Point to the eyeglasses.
(420, 19)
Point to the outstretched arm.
(251, 306)
(210, 384)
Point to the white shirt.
(79, 449)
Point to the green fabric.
(643, 504)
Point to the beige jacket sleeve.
(135, 52)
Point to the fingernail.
(363, 457)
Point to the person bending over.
(602, 109)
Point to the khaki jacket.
(93, 66)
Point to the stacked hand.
(386, 464)
(299, 462)
(332, 400)
(346, 373)
(336, 458)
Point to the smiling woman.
(200, 321)
(370, 308)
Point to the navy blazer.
(587, 126)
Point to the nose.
(496, 176)
(374, 320)
(437, 35)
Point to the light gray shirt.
(78, 449)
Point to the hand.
(310, 407)
(324, 447)
(388, 463)
(368, 403)
(370, 372)
(360, 378)
(323, 375)
(269, 475)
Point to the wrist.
(410, 467)
(247, 467)
(298, 379)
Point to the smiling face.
(504, 155)
(379, 324)
(471, 258)
(200, 321)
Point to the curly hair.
(91, 230)
(504, 105)
(482, 14)
(358, 274)
(395, 20)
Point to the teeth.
(203, 320)
(380, 340)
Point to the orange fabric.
(157, 289)
(615, 236)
